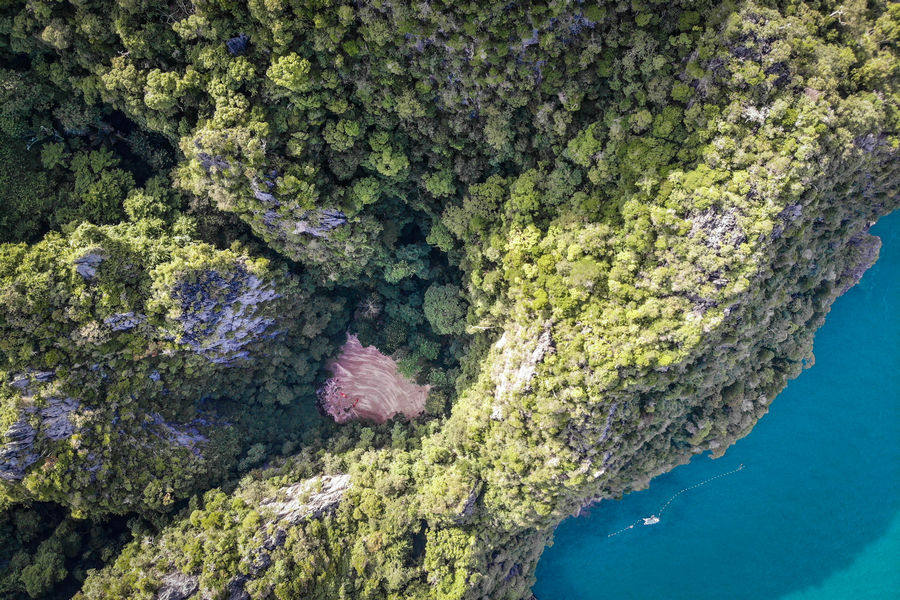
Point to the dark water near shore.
(815, 515)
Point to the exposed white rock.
(717, 229)
(513, 372)
(301, 501)
(178, 586)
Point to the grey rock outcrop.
(235, 588)
(208, 162)
(468, 508)
(318, 223)
(87, 265)
(716, 229)
(521, 356)
(178, 586)
(238, 44)
(184, 435)
(55, 421)
(219, 316)
(124, 321)
(263, 196)
(301, 502)
(276, 540)
(16, 453)
(607, 426)
(307, 499)
(25, 382)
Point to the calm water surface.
(815, 515)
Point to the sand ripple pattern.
(366, 385)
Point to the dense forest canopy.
(602, 234)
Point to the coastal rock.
(514, 571)
(865, 248)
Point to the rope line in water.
(655, 518)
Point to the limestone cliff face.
(308, 499)
(608, 433)
(270, 525)
(648, 310)
(17, 453)
(56, 435)
(618, 442)
(131, 343)
(54, 421)
(223, 317)
(297, 223)
(531, 472)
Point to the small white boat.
(651, 520)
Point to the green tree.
(445, 309)
(45, 571)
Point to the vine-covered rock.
(110, 341)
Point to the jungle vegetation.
(604, 232)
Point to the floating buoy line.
(655, 518)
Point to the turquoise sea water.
(815, 515)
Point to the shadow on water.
(821, 483)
